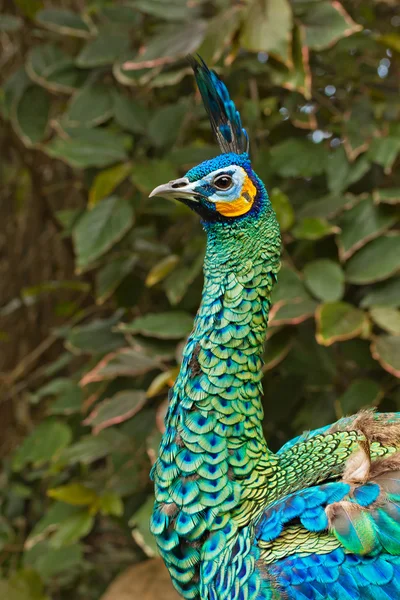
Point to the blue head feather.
(207, 210)
(225, 188)
(224, 118)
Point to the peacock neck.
(210, 476)
(216, 402)
(222, 367)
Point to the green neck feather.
(240, 269)
(213, 465)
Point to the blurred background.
(99, 284)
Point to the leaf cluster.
(97, 108)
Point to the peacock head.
(224, 188)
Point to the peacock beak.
(181, 189)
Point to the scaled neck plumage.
(213, 462)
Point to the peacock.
(319, 519)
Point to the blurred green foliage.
(98, 106)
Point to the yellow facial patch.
(240, 206)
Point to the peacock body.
(318, 520)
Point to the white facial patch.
(238, 175)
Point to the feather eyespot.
(223, 182)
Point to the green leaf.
(387, 318)
(384, 294)
(386, 350)
(168, 44)
(165, 125)
(220, 32)
(173, 325)
(378, 260)
(12, 90)
(190, 156)
(387, 196)
(161, 270)
(99, 229)
(268, 28)
(338, 321)
(289, 287)
(72, 529)
(359, 128)
(283, 209)
(312, 228)
(126, 362)
(43, 445)
(293, 313)
(32, 115)
(19, 490)
(51, 562)
(337, 170)
(171, 10)
(73, 493)
(177, 283)
(111, 504)
(88, 148)
(361, 224)
(67, 404)
(300, 77)
(95, 337)
(22, 585)
(120, 15)
(362, 393)
(69, 400)
(91, 448)
(390, 40)
(107, 181)
(384, 151)
(161, 381)
(30, 293)
(129, 114)
(356, 353)
(325, 279)
(115, 410)
(29, 8)
(148, 175)
(355, 172)
(325, 23)
(90, 106)
(104, 50)
(10, 23)
(50, 67)
(112, 274)
(169, 77)
(127, 480)
(141, 523)
(277, 348)
(298, 158)
(54, 388)
(64, 22)
(54, 516)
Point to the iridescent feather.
(320, 519)
(224, 118)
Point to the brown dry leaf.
(148, 580)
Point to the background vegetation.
(99, 285)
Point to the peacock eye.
(223, 182)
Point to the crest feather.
(224, 118)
